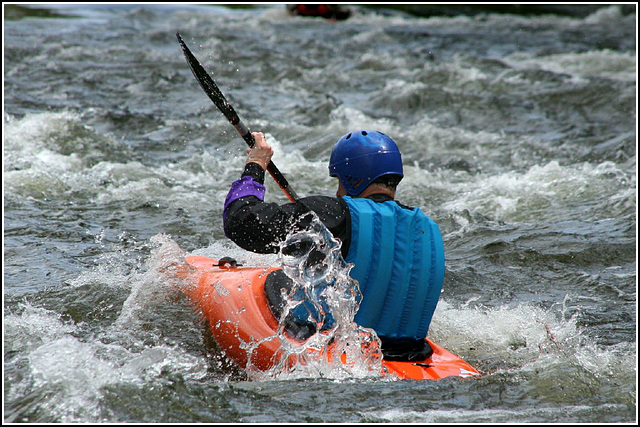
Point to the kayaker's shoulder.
(323, 203)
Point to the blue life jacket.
(399, 264)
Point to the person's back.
(398, 259)
(397, 251)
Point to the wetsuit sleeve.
(259, 227)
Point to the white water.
(519, 139)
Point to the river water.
(519, 138)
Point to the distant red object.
(327, 11)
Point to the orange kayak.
(233, 300)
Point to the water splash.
(153, 286)
(322, 290)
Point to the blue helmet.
(360, 157)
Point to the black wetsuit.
(258, 226)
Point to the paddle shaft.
(214, 93)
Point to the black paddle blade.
(213, 92)
(206, 82)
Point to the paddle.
(212, 90)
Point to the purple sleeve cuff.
(243, 187)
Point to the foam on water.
(75, 368)
(349, 118)
(42, 160)
(79, 371)
(55, 156)
(544, 193)
(543, 347)
(518, 334)
(308, 174)
(604, 64)
(32, 165)
(564, 414)
(33, 327)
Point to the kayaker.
(397, 250)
